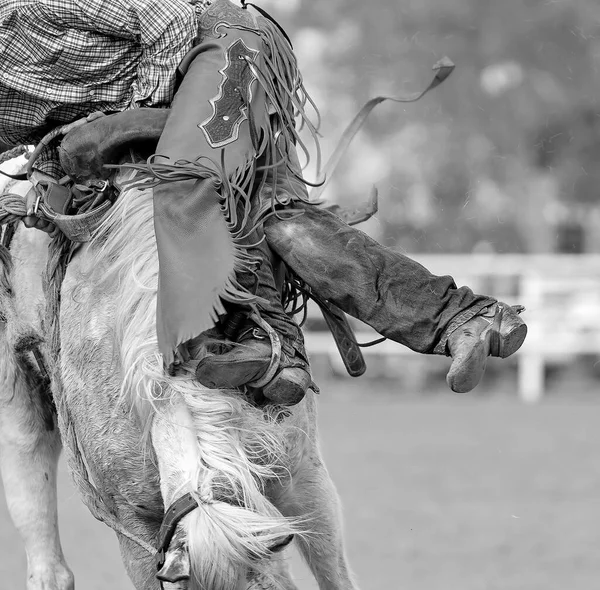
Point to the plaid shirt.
(63, 59)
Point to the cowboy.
(227, 185)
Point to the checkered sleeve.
(48, 162)
(165, 31)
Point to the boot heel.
(512, 331)
(288, 387)
(511, 342)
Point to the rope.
(13, 153)
(9, 155)
(12, 208)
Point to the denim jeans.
(261, 282)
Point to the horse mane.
(242, 448)
(123, 261)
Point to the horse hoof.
(54, 577)
(175, 571)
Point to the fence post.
(531, 361)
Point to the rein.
(9, 155)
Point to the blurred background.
(492, 178)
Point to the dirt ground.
(440, 492)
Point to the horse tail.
(225, 541)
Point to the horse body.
(137, 439)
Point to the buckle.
(99, 185)
(275, 352)
(36, 205)
(40, 186)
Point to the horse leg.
(176, 451)
(281, 577)
(29, 450)
(29, 438)
(313, 497)
(140, 567)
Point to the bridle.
(180, 508)
(173, 515)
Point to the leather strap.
(442, 69)
(57, 198)
(22, 176)
(79, 227)
(180, 508)
(342, 333)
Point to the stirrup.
(275, 351)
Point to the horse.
(139, 439)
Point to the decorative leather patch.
(235, 93)
(224, 13)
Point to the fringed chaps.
(237, 102)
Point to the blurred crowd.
(502, 157)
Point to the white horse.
(138, 439)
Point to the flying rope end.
(443, 68)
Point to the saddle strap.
(53, 202)
(79, 227)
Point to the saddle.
(88, 153)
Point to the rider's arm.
(164, 29)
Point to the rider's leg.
(243, 364)
(189, 219)
(397, 296)
(29, 452)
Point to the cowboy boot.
(268, 351)
(282, 377)
(395, 295)
(496, 331)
